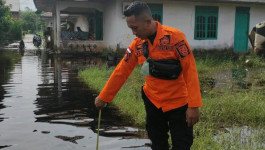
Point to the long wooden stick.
(99, 118)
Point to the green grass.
(225, 112)
(234, 108)
(128, 98)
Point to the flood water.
(44, 106)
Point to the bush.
(5, 21)
(10, 29)
(15, 32)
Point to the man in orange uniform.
(171, 105)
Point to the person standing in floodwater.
(171, 93)
(21, 45)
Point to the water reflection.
(241, 137)
(48, 104)
(234, 79)
(7, 60)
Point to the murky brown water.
(44, 106)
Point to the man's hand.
(99, 103)
(192, 116)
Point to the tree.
(30, 20)
(5, 20)
(15, 31)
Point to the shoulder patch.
(165, 43)
(182, 49)
(128, 54)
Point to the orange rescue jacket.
(169, 43)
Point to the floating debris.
(70, 139)
(45, 132)
(5, 146)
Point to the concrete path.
(28, 40)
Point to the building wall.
(109, 29)
(181, 15)
(257, 15)
(15, 5)
(82, 22)
(115, 26)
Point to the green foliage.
(225, 113)
(41, 34)
(10, 29)
(106, 51)
(222, 115)
(29, 32)
(5, 20)
(212, 60)
(7, 61)
(254, 61)
(127, 98)
(29, 21)
(15, 32)
(28, 18)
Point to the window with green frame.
(206, 22)
(157, 11)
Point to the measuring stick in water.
(99, 118)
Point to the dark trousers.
(159, 123)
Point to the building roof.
(228, 1)
(45, 5)
(48, 5)
(14, 5)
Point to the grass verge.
(225, 115)
(128, 99)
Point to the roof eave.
(46, 5)
(228, 1)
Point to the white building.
(207, 24)
(14, 7)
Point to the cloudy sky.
(27, 3)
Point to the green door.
(241, 29)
